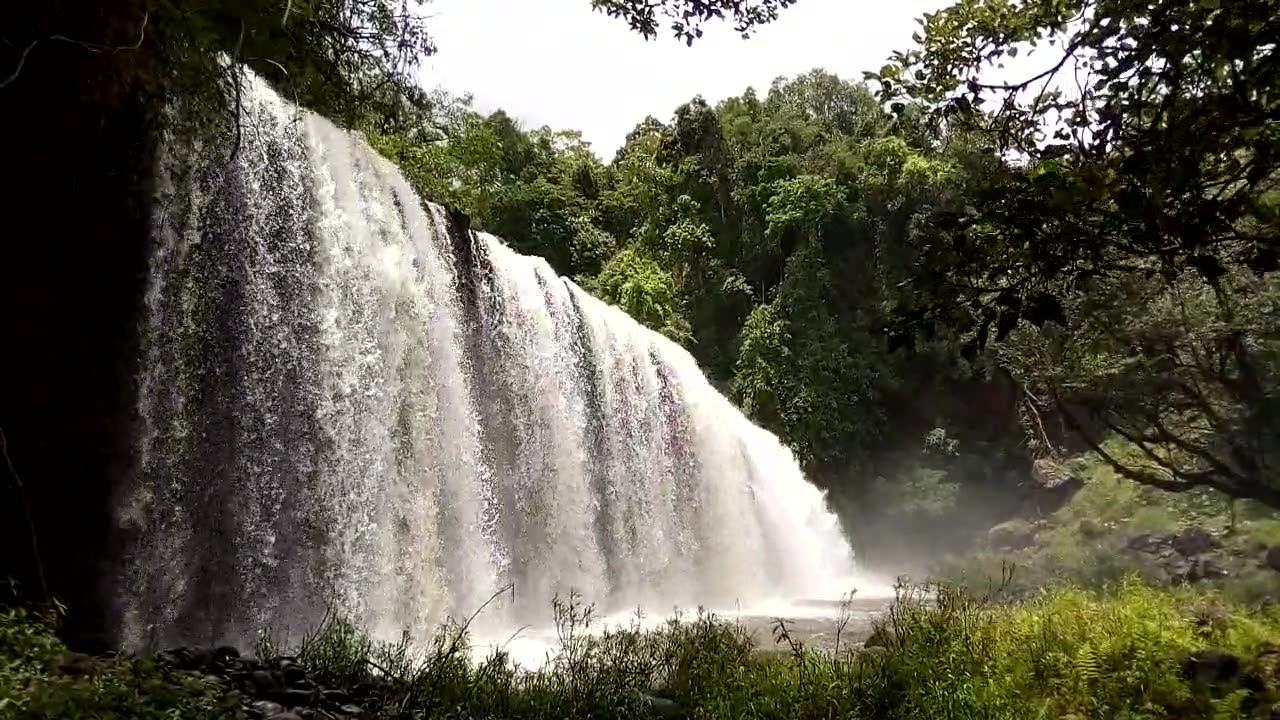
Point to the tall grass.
(948, 654)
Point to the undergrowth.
(942, 652)
(1084, 542)
(40, 679)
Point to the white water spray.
(347, 399)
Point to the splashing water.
(348, 400)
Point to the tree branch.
(91, 47)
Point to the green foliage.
(1061, 653)
(644, 290)
(769, 237)
(1084, 543)
(1170, 114)
(1188, 382)
(687, 16)
(354, 61)
(32, 685)
(1135, 199)
(947, 654)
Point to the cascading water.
(347, 400)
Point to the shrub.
(31, 686)
(1064, 652)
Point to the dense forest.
(921, 295)
(915, 278)
(956, 299)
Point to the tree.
(1148, 144)
(353, 60)
(644, 290)
(687, 16)
(1185, 373)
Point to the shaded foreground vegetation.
(941, 652)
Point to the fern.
(1230, 707)
(1088, 664)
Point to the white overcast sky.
(558, 63)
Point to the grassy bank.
(1128, 652)
(1089, 541)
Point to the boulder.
(1271, 558)
(293, 674)
(1194, 541)
(293, 697)
(1051, 475)
(1012, 535)
(266, 708)
(263, 682)
(226, 655)
(186, 658)
(1148, 543)
(1211, 666)
(337, 697)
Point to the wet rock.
(266, 708)
(1012, 535)
(1147, 543)
(293, 674)
(354, 711)
(186, 658)
(262, 682)
(1272, 558)
(337, 697)
(293, 697)
(1193, 541)
(1206, 569)
(288, 715)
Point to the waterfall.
(348, 401)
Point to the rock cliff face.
(72, 267)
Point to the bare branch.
(91, 47)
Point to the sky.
(558, 63)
